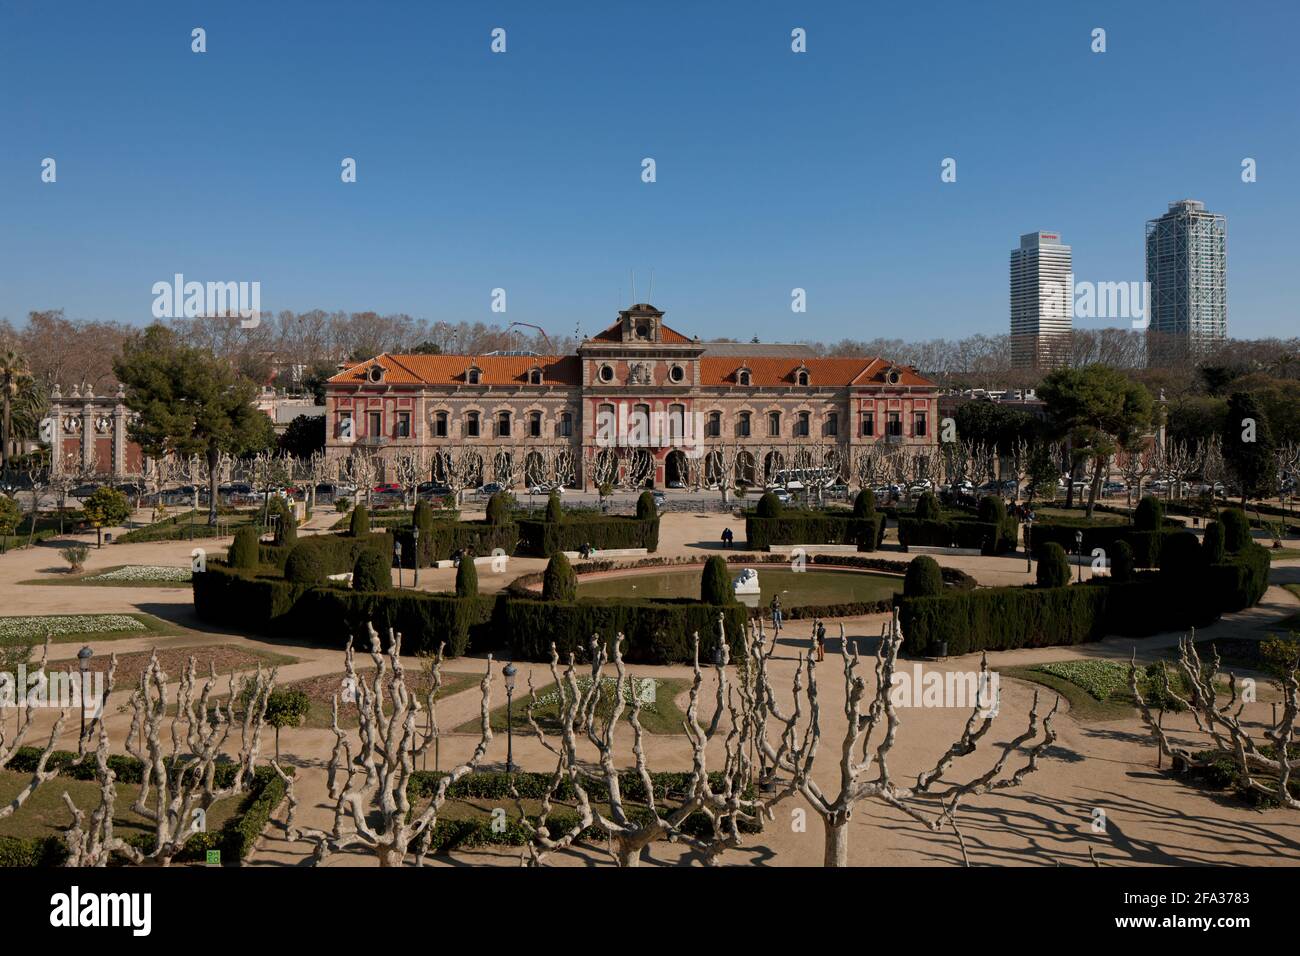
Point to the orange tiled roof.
(615, 334)
(451, 369)
(822, 371)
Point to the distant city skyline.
(1041, 303)
(522, 171)
(1187, 268)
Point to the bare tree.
(1262, 768)
(930, 799)
(379, 778)
(1136, 463)
(9, 748)
(408, 468)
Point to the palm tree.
(13, 373)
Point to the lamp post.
(509, 673)
(1029, 554)
(83, 664)
(415, 556)
(1078, 547)
(397, 559)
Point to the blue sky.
(522, 170)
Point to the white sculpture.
(746, 583)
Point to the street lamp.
(397, 559)
(1078, 547)
(509, 673)
(1029, 554)
(415, 554)
(83, 664)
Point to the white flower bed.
(35, 627)
(145, 572)
(646, 688)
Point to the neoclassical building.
(640, 403)
(87, 434)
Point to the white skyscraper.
(1041, 300)
(1187, 266)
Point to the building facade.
(1187, 268)
(638, 405)
(87, 434)
(1042, 284)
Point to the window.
(503, 424)
(535, 377)
(893, 424)
(868, 423)
(774, 423)
(472, 376)
(606, 373)
(345, 425)
(713, 426)
(471, 425)
(801, 425)
(440, 425)
(918, 424)
(403, 429)
(833, 424)
(802, 377)
(742, 425)
(743, 376)
(566, 424)
(677, 374)
(374, 424)
(534, 424)
(676, 422)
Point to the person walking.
(821, 641)
(776, 613)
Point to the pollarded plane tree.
(1136, 462)
(1263, 767)
(931, 799)
(408, 469)
(720, 797)
(375, 786)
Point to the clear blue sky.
(522, 170)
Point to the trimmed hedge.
(243, 550)
(441, 539)
(715, 582)
(1053, 567)
(924, 577)
(960, 530)
(424, 620)
(338, 552)
(559, 583)
(1002, 618)
(1145, 544)
(654, 632)
(544, 538)
(372, 573)
(814, 527)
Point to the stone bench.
(601, 554)
(814, 548)
(482, 561)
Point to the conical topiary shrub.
(927, 507)
(559, 583)
(1212, 543)
(715, 582)
(864, 505)
(359, 522)
(554, 510)
(1149, 514)
(371, 572)
(769, 506)
(1236, 529)
(243, 550)
(1121, 562)
(1053, 567)
(466, 578)
(923, 578)
(645, 506)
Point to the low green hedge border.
(959, 530)
(814, 527)
(440, 539)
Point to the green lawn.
(45, 814)
(661, 716)
(189, 525)
(74, 628)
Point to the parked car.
(83, 491)
(782, 495)
(388, 488)
(1114, 488)
(432, 489)
(676, 484)
(659, 497)
(546, 489)
(491, 488)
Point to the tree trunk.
(837, 844)
(214, 457)
(1096, 483)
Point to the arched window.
(832, 424)
(566, 424)
(471, 425)
(743, 429)
(801, 425)
(440, 425)
(802, 377)
(472, 376)
(743, 376)
(774, 423)
(713, 425)
(638, 426)
(535, 377)
(676, 422)
(534, 424)
(503, 424)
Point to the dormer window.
(535, 376)
(375, 374)
(893, 376)
(801, 377)
(742, 376)
(473, 375)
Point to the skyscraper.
(1187, 267)
(1041, 300)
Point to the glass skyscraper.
(1187, 267)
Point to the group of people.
(818, 631)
